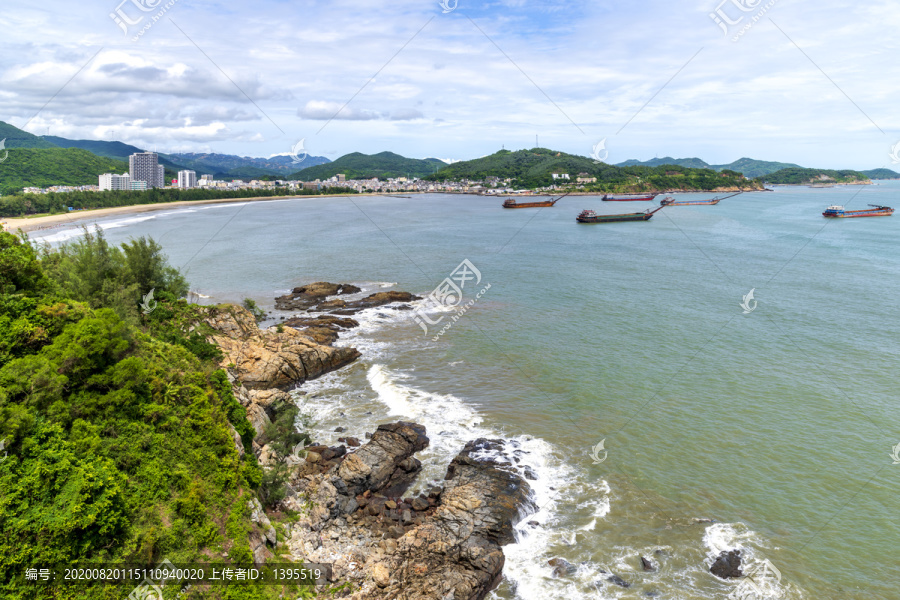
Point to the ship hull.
(853, 214)
(614, 218)
(529, 205)
(693, 203)
(638, 199)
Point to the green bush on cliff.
(118, 445)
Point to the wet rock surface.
(308, 296)
(263, 360)
(445, 543)
(727, 565)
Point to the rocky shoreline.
(445, 544)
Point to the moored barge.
(839, 212)
(511, 203)
(670, 201)
(589, 216)
(629, 198)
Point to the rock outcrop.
(308, 296)
(727, 565)
(263, 360)
(443, 544)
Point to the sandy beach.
(27, 224)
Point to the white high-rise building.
(187, 179)
(111, 181)
(144, 166)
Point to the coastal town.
(145, 172)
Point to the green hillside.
(239, 166)
(534, 168)
(800, 176)
(881, 174)
(54, 166)
(117, 150)
(693, 163)
(16, 138)
(750, 167)
(366, 166)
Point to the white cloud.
(759, 97)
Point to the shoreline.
(27, 224)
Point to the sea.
(716, 378)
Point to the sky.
(812, 83)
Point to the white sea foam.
(77, 229)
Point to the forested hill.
(535, 168)
(383, 165)
(800, 176)
(123, 442)
(43, 167)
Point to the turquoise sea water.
(777, 425)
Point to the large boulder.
(457, 552)
(727, 565)
(307, 296)
(267, 359)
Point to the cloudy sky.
(815, 83)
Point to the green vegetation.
(364, 166)
(799, 176)
(43, 167)
(241, 166)
(16, 138)
(117, 426)
(116, 150)
(21, 205)
(881, 174)
(748, 166)
(258, 313)
(535, 168)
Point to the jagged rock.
(307, 296)
(450, 550)
(267, 398)
(373, 300)
(267, 359)
(238, 442)
(647, 565)
(727, 565)
(616, 580)
(561, 567)
(258, 417)
(457, 551)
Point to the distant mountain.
(881, 174)
(235, 165)
(801, 176)
(117, 150)
(366, 166)
(750, 167)
(43, 167)
(16, 138)
(536, 167)
(691, 163)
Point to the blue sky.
(813, 83)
